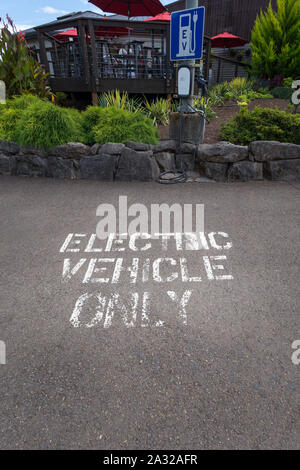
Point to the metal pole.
(187, 103)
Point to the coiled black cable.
(179, 175)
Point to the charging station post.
(187, 103)
(188, 124)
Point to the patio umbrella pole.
(128, 28)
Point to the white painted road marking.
(135, 309)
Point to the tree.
(275, 41)
(19, 70)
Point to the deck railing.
(131, 61)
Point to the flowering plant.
(19, 69)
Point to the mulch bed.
(224, 114)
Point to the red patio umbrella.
(227, 40)
(112, 31)
(65, 35)
(165, 16)
(101, 31)
(130, 7)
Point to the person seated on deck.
(123, 52)
(108, 60)
(156, 63)
(131, 63)
(141, 65)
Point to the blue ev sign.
(187, 32)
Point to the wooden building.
(234, 16)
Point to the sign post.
(187, 33)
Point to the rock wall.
(260, 160)
(142, 162)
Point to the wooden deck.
(95, 62)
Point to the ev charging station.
(184, 81)
(187, 35)
(187, 32)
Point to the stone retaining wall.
(142, 162)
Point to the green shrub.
(24, 101)
(76, 117)
(90, 118)
(240, 86)
(263, 94)
(119, 125)
(11, 112)
(216, 98)
(43, 125)
(288, 82)
(119, 100)
(283, 93)
(205, 104)
(275, 41)
(62, 98)
(217, 94)
(239, 89)
(262, 124)
(140, 131)
(158, 110)
(8, 121)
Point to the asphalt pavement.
(149, 359)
